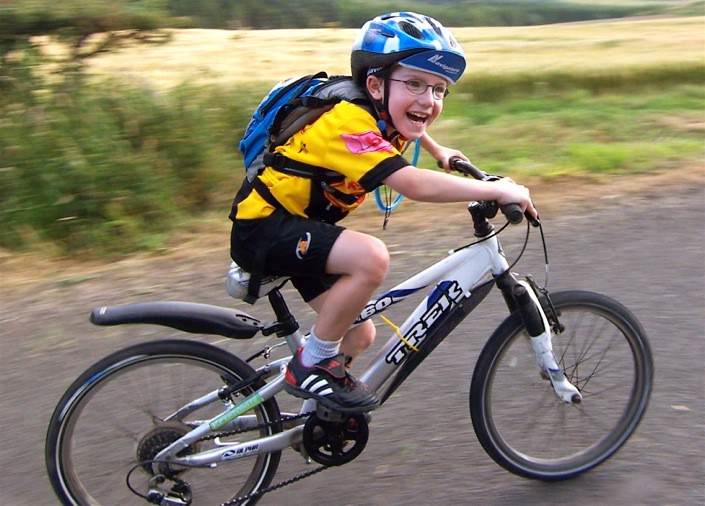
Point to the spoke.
(601, 364)
(596, 330)
(589, 393)
(567, 346)
(586, 346)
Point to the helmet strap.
(382, 106)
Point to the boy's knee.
(377, 261)
(361, 256)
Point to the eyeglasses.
(439, 91)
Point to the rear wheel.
(521, 422)
(114, 417)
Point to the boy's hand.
(440, 153)
(443, 155)
(510, 192)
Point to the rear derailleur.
(178, 495)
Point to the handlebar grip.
(515, 216)
(513, 213)
(467, 168)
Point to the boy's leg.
(361, 261)
(357, 339)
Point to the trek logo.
(436, 60)
(303, 245)
(450, 296)
(240, 452)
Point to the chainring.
(334, 443)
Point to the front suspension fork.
(520, 296)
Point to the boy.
(405, 62)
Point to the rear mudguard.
(186, 316)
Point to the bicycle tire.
(520, 421)
(107, 418)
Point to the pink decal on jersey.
(368, 142)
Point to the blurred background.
(119, 123)
(120, 119)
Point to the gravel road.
(645, 249)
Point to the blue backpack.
(289, 107)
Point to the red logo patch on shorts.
(368, 142)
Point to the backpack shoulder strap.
(303, 109)
(286, 110)
(337, 89)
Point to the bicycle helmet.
(409, 39)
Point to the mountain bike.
(558, 388)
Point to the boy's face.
(411, 114)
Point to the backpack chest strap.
(321, 177)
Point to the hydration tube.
(390, 206)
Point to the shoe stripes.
(329, 383)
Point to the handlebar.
(512, 212)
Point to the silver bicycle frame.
(453, 278)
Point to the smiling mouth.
(417, 118)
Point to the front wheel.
(122, 411)
(521, 422)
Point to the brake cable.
(523, 249)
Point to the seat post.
(286, 323)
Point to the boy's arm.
(440, 153)
(433, 186)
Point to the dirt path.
(641, 242)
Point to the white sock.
(316, 350)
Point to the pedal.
(329, 415)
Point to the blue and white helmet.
(409, 39)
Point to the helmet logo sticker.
(367, 142)
(303, 245)
(436, 60)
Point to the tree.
(83, 28)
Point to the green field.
(148, 146)
(265, 56)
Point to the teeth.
(417, 117)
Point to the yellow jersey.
(346, 140)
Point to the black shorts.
(294, 246)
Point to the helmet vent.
(435, 26)
(411, 30)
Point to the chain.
(281, 484)
(265, 425)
